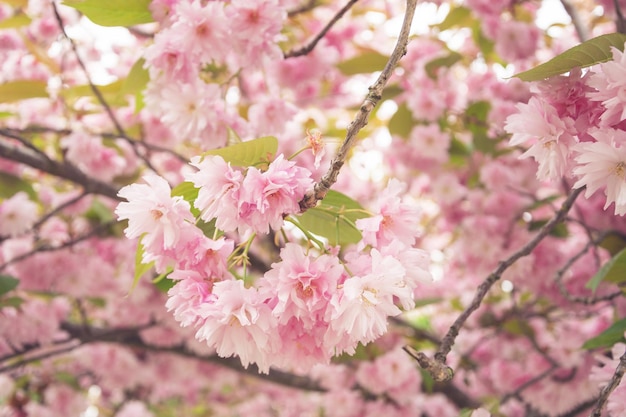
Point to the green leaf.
(442, 62)
(15, 302)
(7, 283)
(613, 271)
(458, 16)
(22, 90)
(591, 52)
(16, 3)
(114, 12)
(334, 219)
(112, 93)
(365, 63)
(164, 284)
(140, 268)
(11, 185)
(613, 243)
(248, 153)
(16, 21)
(136, 82)
(559, 230)
(609, 337)
(100, 212)
(402, 122)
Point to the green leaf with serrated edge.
(609, 337)
(248, 153)
(16, 21)
(22, 90)
(334, 219)
(140, 267)
(458, 16)
(364, 63)
(402, 122)
(447, 61)
(591, 52)
(8, 283)
(114, 12)
(613, 271)
(11, 185)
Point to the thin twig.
(322, 187)
(40, 357)
(437, 366)
(311, 45)
(62, 246)
(308, 6)
(96, 91)
(59, 169)
(610, 387)
(59, 208)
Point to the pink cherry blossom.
(603, 165)
(151, 210)
(237, 322)
(266, 196)
(550, 135)
(189, 293)
(218, 197)
(611, 88)
(17, 215)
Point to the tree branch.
(581, 29)
(64, 170)
(610, 387)
(308, 48)
(437, 367)
(322, 187)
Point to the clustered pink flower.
(306, 308)
(256, 201)
(575, 126)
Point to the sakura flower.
(368, 300)
(397, 220)
(91, 156)
(611, 88)
(303, 285)
(237, 322)
(552, 137)
(218, 197)
(267, 196)
(602, 164)
(151, 210)
(187, 295)
(17, 215)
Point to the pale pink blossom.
(266, 196)
(153, 212)
(367, 301)
(237, 322)
(17, 215)
(551, 137)
(189, 293)
(218, 197)
(89, 154)
(302, 284)
(602, 164)
(611, 88)
(395, 220)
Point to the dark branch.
(610, 387)
(437, 366)
(64, 170)
(311, 45)
(371, 100)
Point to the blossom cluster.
(574, 124)
(309, 306)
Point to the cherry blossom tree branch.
(96, 91)
(105, 135)
(45, 248)
(437, 367)
(311, 45)
(63, 170)
(620, 24)
(581, 29)
(322, 187)
(309, 5)
(610, 387)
